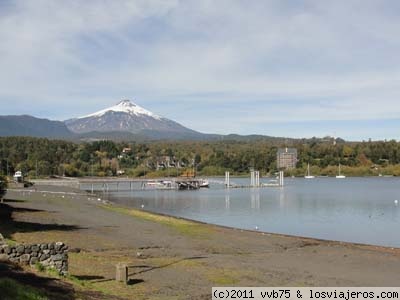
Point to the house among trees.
(126, 150)
(286, 158)
(18, 177)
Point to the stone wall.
(52, 255)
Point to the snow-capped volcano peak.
(124, 106)
(127, 116)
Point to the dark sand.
(177, 259)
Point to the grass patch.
(40, 267)
(185, 227)
(11, 290)
(222, 277)
(11, 243)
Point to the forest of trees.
(38, 157)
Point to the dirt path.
(176, 259)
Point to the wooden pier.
(126, 184)
(179, 183)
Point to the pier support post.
(257, 178)
(254, 178)
(227, 179)
(281, 178)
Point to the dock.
(178, 183)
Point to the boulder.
(44, 257)
(3, 257)
(24, 259)
(20, 249)
(34, 260)
(57, 257)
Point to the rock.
(58, 264)
(24, 259)
(20, 249)
(28, 250)
(45, 263)
(44, 247)
(3, 257)
(59, 246)
(7, 249)
(51, 246)
(46, 251)
(35, 248)
(44, 257)
(34, 254)
(14, 259)
(53, 252)
(57, 257)
(34, 260)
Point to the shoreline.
(109, 203)
(266, 233)
(177, 257)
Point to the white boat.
(158, 185)
(309, 176)
(204, 183)
(340, 176)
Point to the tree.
(3, 186)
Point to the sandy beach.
(179, 259)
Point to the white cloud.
(331, 60)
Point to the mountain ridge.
(127, 116)
(26, 125)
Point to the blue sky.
(282, 68)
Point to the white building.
(18, 177)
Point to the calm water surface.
(361, 210)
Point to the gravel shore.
(179, 259)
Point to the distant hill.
(30, 126)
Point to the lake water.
(361, 210)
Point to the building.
(286, 158)
(18, 177)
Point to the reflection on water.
(355, 209)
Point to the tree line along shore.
(40, 157)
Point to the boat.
(204, 183)
(159, 185)
(340, 176)
(309, 176)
